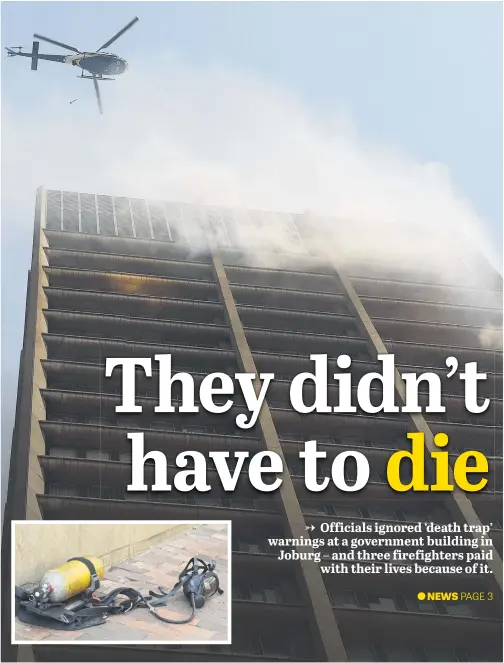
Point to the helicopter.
(98, 65)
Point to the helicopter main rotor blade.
(119, 34)
(57, 43)
(97, 91)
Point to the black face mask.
(199, 581)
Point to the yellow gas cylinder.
(71, 578)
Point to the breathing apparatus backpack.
(65, 597)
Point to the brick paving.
(158, 565)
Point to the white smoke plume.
(490, 338)
(221, 138)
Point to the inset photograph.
(121, 582)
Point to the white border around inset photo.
(105, 643)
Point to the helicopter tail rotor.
(13, 50)
(34, 55)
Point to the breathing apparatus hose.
(137, 600)
(173, 621)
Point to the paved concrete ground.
(158, 565)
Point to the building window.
(385, 603)
(351, 442)
(123, 217)
(203, 500)
(255, 645)
(388, 444)
(53, 214)
(361, 651)
(440, 653)
(270, 504)
(346, 511)
(400, 653)
(275, 645)
(351, 331)
(421, 606)
(94, 421)
(247, 546)
(194, 429)
(167, 497)
(241, 643)
(106, 215)
(101, 492)
(284, 594)
(287, 437)
(70, 211)
(241, 503)
(460, 609)
(271, 596)
(415, 515)
(88, 213)
(136, 496)
(361, 355)
(382, 513)
(62, 490)
(344, 599)
(312, 508)
(63, 452)
(95, 454)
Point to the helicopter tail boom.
(35, 55)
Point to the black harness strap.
(218, 589)
(109, 601)
(74, 621)
(95, 578)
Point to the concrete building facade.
(121, 277)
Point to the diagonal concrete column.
(330, 637)
(458, 502)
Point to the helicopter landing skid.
(98, 78)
